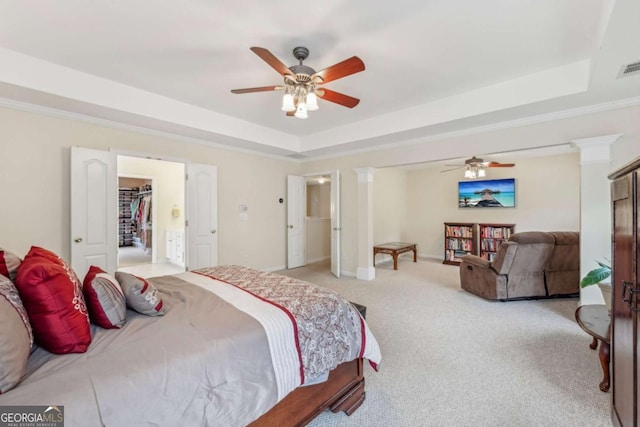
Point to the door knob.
(78, 239)
(213, 231)
(290, 226)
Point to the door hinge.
(186, 223)
(186, 176)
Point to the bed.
(235, 346)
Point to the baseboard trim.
(429, 256)
(366, 273)
(322, 258)
(282, 267)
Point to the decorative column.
(365, 270)
(595, 208)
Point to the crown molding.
(57, 113)
(530, 120)
(525, 121)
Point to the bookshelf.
(460, 238)
(492, 236)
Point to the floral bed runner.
(328, 328)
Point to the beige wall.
(34, 170)
(390, 212)
(548, 194)
(348, 208)
(168, 191)
(318, 232)
(124, 182)
(547, 199)
(318, 221)
(319, 200)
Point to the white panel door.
(202, 216)
(335, 223)
(94, 219)
(296, 212)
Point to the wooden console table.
(595, 320)
(394, 249)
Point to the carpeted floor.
(451, 358)
(130, 255)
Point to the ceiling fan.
(475, 167)
(302, 84)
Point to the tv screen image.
(490, 193)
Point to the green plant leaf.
(595, 276)
(603, 265)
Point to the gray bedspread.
(203, 363)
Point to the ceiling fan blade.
(500, 165)
(257, 89)
(270, 59)
(290, 113)
(449, 170)
(459, 166)
(337, 97)
(341, 69)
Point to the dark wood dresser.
(625, 301)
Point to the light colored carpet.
(451, 358)
(130, 255)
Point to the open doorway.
(151, 222)
(318, 220)
(313, 220)
(135, 226)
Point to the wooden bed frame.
(343, 391)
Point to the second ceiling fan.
(474, 167)
(302, 84)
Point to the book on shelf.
(454, 255)
(490, 256)
(491, 232)
(491, 245)
(458, 244)
(459, 231)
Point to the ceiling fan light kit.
(287, 103)
(473, 172)
(301, 111)
(301, 91)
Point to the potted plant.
(597, 276)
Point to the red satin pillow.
(37, 251)
(52, 295)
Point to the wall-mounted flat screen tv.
(489, 193)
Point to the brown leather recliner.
(563, 272)
(521, 268)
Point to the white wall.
(389, 206)
(34, 170)
(625, 149)
(318, 231)
(318, 221)
(596, 224)
(319, 200)
(547, 199)
(169, 186)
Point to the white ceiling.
(432, 66)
